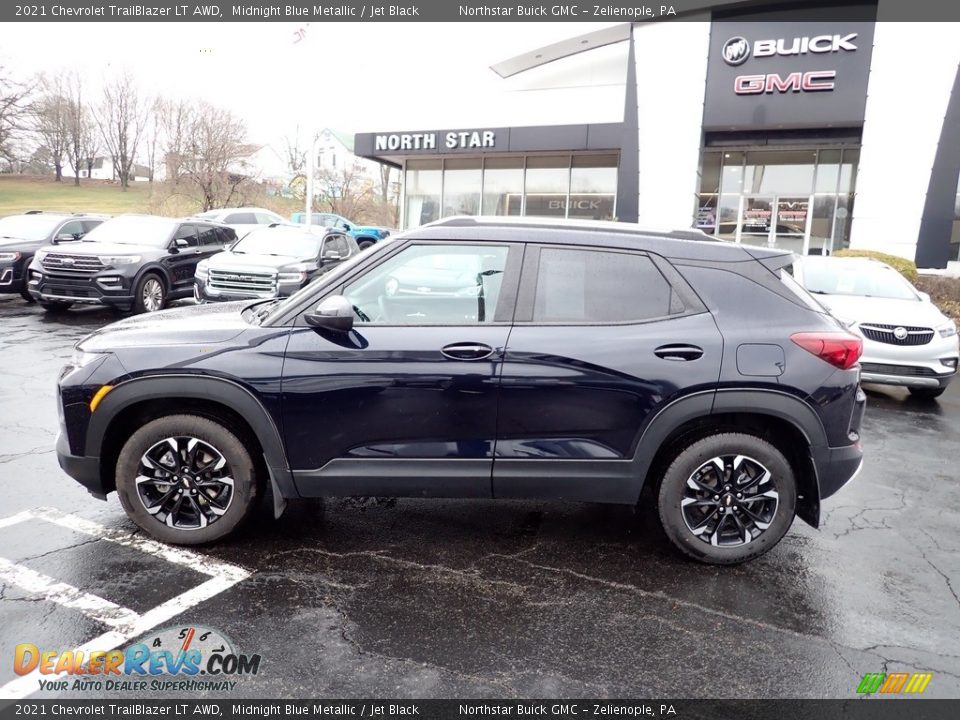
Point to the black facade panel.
(933, 242)
(557, 137)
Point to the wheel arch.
(784, 420)
(131, 403)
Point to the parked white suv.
(907, 340)
(243, 219)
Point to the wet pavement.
(440, 598)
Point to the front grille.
(886, 334)
(905, 370)
(70, 291)
(76, 264)
(258, 283)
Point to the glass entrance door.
(780, 221)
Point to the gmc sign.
(813, 81)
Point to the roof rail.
(572, 224)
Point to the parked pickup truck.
(365, 235)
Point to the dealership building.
(807, 129)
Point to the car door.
(405, 403)
(602, 340)
(183, 262)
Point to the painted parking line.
(125, 624)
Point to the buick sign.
(736, 50)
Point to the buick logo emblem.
(900, 333)
(736, 50)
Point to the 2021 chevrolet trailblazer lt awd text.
(531, 359)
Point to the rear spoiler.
(771, 258)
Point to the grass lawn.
(19, 194)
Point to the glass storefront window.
(502, 186)
(461, 186)
(780, 171)
(797, 199)
(424, 181)
(828, 171)
(593, 187)
(848, 170)
(547, 183)
(731, 177)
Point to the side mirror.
(347, 227)
(329, 255)
(924, 296)
(66, 237)
(178, 245)
(333, 313)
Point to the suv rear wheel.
(727, 498)
(186, 480)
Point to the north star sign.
(453, 140)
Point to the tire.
(55, 306)
(721, 539)
(150, 294)
(27, 296)
(148, 452)
(926, 393)
(365, 243)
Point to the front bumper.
(11, 278)
(932, 365)
(90, 289)
(85, 470)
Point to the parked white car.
(907, 341)
(243, 219)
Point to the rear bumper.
(836, 467)
(85, 470)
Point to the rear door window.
(596, 287)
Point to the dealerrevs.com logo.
(736, 50)
(175, 659)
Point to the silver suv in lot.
(907, 341)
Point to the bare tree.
(296, 156)
(90, 143)
(174, 117)
(79, 125)
(151, 139)
(51, 113)
(14, 99)
(121, 117)
(346, 191)
(214, 155)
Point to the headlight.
(80, 358)
(40, 255)
(947, 330)
(114, 260)
(202, 271)
(9, 256)
(291, 277)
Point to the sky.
(352, 77)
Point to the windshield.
(28, 227)
(133, 230)
(280, 241)
(837, 277)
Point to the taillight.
(839, 349)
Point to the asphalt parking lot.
(409, 598)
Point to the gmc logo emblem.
(813, 81)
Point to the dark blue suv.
(485, 359)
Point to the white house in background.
(102, 169)
(335, 152)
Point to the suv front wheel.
(727, 498)
(186, 480)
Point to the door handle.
(679, 352)
(467, 351)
